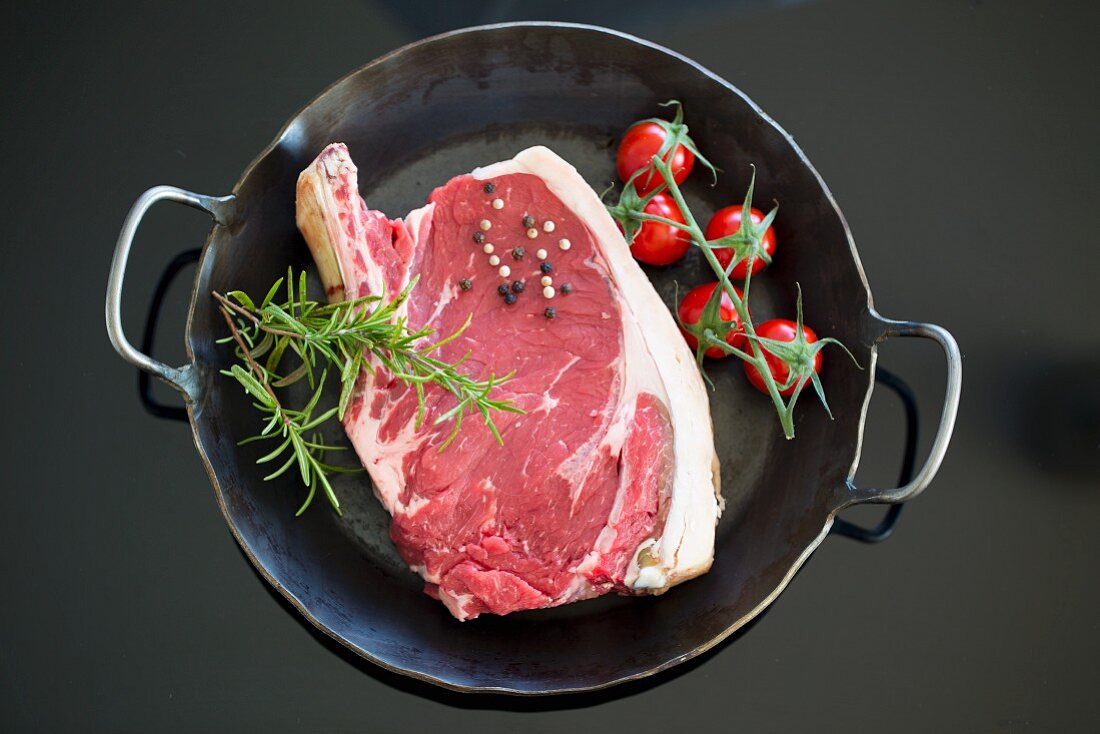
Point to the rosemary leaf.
(348, 336)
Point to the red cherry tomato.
(691, 310)
(727, 221)
(657, 243)
(782, 330)
(641, 142)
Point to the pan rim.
(835, 501)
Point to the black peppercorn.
(566, 289)
(518, 253)
(550, 313)
(528, 221)
(502, 289)
(546, 267)
(490, 187)
(465, 284)
(517, 286)
(479, 237)
(509, 299)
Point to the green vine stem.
(756, 358)
(746, 245)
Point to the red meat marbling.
(608, 481)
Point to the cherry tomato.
(727, 221)
(657, 243)
(636, 150)
(691, 310)
(781, 330)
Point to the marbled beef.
(608, 482)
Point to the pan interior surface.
(437, 109)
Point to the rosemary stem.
(252, 364)
(239, 309)
(347, 335)
(251, 317)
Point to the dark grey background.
(958, 137)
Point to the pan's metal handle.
(947, 417)
(184, 379)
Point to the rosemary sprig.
(347, 337)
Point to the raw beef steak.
(609, 481)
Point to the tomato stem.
(747, 246)
(786, 415)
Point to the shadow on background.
(1056, 422)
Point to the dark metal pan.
(440, 107)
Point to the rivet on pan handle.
(947, 417)
(184, 379)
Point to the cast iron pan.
(438, 108)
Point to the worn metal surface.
(440, 107)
